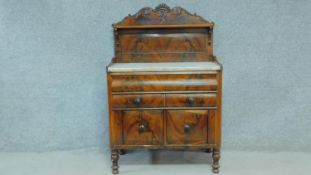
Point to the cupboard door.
(187, 127)
(143, 127)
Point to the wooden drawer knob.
(137, 101)
(187, 128)
(190, 101)
(142, 128)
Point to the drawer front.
(136, 101)
(179, 82)
(190, 100)
(143, 127)
(186, 127)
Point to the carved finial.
(162, 10)
(162, 7)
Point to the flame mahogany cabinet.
(164, 84)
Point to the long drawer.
(165, 82)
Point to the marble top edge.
(163, 66)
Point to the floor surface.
(94, 162)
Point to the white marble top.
(163, 66)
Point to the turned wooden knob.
(190, 101)
(142, 128)
(187, 128)
(137, 101)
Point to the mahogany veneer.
(171, 109)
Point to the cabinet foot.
(115, 159)
(216, 157)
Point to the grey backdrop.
(52, 71)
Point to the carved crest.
(162, 10)
(162, 14)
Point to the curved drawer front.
(136, 101)
(191, 100)
(179, 82)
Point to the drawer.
(142, 127)
(164, 82)
(139, 100)
(191, 100)
(186, 127)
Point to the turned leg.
(216, 157)
(115, 159)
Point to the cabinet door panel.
(143, 127)
(187, 126)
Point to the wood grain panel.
(187, 127)
(181, 82)
(152, 134)
(163, 45)
(190, 100)
(147, 43)
(164, 57)
(137, 100)
(166, 45)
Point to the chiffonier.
(164, 84)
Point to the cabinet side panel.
(219, 109)
(115, 119)
(211, 127)
(116, 127)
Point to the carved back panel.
(163, 35)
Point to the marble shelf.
(163, 66)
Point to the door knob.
(137, 101)
(187, 128)
(142, 128)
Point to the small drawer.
(191, 100)
(138, 101)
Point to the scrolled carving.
(142, 12)
(162, 10)
(162, 7)
(162, 14)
